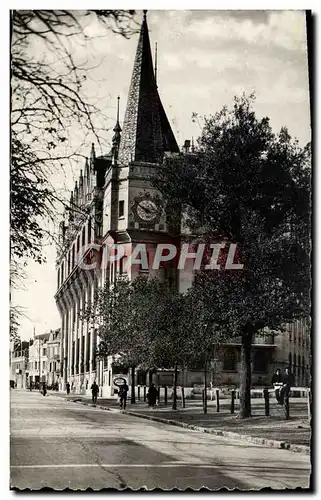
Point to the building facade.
(38, 360)
(19, 365)
(53, 358)
(113, 202)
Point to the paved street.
(58, 444)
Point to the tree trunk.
(205, 389)
(245, 376)
(175, 388)
(132, 399)
(182, 387)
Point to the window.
(83, 237)
(260, 361)
(121, 208)
(290, 361)
(44, 351)
(62, 272)
(230, 360)
(78, 243)
(58, 278)
(43, 365)
(121, 265)
(35, 365)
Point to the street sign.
(118, 381)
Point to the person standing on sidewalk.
(68, 388)
(288, 382)
(123, 390)
(152, 396)
(277, 381)
(94, 392)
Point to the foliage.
(48, 101)
(250, 187)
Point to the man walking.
(68, 388)
(288, 382)
(94, 392)
(123, 390)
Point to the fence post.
(232, 400)
(266, 402)
(165, 394)
(138, 393)
(217, 400)
(158, 394)
(145, 393)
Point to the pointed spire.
(76, 193)
(71, 206)
(147, 133)
(92, 156)
(86, 168)
(117, 135)
(156, 64)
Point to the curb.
(269, 443)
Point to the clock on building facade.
(147, 209)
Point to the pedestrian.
(123, 390)
(288, 382)
(44, 388)
(94, 392)
(30, 385)
(68, 388)
(152, 395)
(277, 382)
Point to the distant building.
(53, 357)
(38, 368)
(19, 364)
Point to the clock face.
(147, 210)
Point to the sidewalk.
(294, 433)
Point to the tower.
(133, 210)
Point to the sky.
(205, 58)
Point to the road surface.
(60, 444)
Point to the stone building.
(38, 369)
(53, 357)
(19, 364)
(113, 202)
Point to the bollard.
(158, 394)
(266, 402)
(138, 393)
(165, 394)
(286, 408)
(145, 393)
(217, 400)
(232, 400)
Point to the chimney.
(187, 145)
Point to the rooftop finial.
(118, 99)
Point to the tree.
(48, 101)
(122, 312)
(250, 187)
